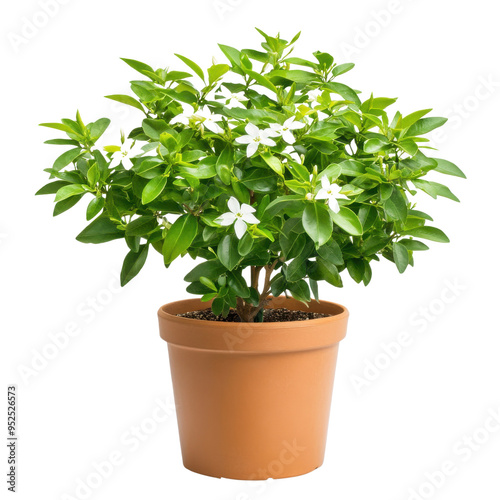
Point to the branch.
(267, 281)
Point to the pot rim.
(162, 312)
(253, 337)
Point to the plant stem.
(245, 310)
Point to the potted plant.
(276, 176)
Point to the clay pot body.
(253, 399)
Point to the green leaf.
(141, 67)
(179, 237)
(412, 118)
(301, 62)
(238, 285)
(340, 69)
(101, 230)
(224, 165)
(367, 216)
(205, 169)
(98, 128)
(429, 233)
(217, 306)
(141, 226)
(300, 291)
(396, 206)
(260, 180)
(211, 269)
(343, 90)
(216, 71)
(325, 60)
(420, 215)
(261, 80)
(331, 252)
(192, 65)
(51, 188)
(274, 163)
(401, 256)
(208, 283)
(126, 99)
(295, 75)
(332, 172)
(133, 263)
(296, 270)
(434, 189)
(377, 103)
(425, 125)
(66, 158)
(58, 126)
(317, 223)
(374, 244)
(414, 245)
(282, 203)
(448, 168)
(227, 251)
(62, 142)
(328, 271)
(68, 191)
(375, 145)
(153, 189)
(233, 55)
(93, 175)
(292, 239)
(348, 221)
(408, 146)
(154, 128)
(169, 142)
(66, 204)
(356, 269)
(94, 207)
(245, 244)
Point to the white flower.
(313, 100)
(129, 149)
(163, 222)
(237, 215)
(233, 99)
(313, 97)
(290, 151)
(184, 117)
(255, 137)
(209, 120)
(331, 193)
(285, 130)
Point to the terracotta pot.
(253, 399)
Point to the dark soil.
(270, 315)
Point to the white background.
(387, 434)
